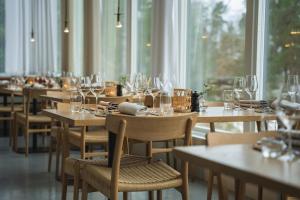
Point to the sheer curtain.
(23, 56)
(169, 40)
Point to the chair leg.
(125, 195)
(84, 193)
(210, 184)
(15, 137)
(11, 132)
(159, 195)
(151, 195)
(76, 188)
(221, 188)
(174, 158)
(260, 192)
(64, 187)
(50, 154)
(239, 189)
(168, 154)
(58, 153)
(26, 137)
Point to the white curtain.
(23, 56)
(169, 40)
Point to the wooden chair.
(30, 122)
(7, 113)
(155, 175)
(214, 139)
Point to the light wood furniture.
(7, 111)
(218, 114)
(114, 178)
(215, 139)
(247, 165)
(69, 119)
(31, 122)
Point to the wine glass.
(238, 88)
(97, 86)
(286, 115)
(251, 87)
(84, 88)
(292, 86)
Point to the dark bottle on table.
(119, 90)
(195, 101)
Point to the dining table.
(212, 115)
(245, 164)
(218, 114)
(71, 119)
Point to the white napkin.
(38, 85)
(131, 108)
(4, 82)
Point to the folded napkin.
(131, 108)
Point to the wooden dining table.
(245, 164)
(218, 115)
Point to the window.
(282, 43)
(215, 44)
(113, 40)
(143, 45)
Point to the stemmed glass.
(97, 86)
(238, 88)
(287, 116)
(292, 86)
(84, 88)
(251, 87)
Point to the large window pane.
(215, 44)
(283, 43)
(113, 41)
(144, 24)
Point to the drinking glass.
(84, 88)
(165, 102)
(238, 88)
(75, 101)
(292, 86)
(287, 118)
(251, 87)
(228, 99)
(97, 86)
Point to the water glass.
(75, 101)
(272, 148)
(228, 99)
(165, 103)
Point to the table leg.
(239, 189)
(212, 127)
(258, 124)
(5, 115)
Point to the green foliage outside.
(283, 47)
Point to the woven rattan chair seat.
(152, 176)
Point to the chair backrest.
(153, 128)
(63, 106)
(214, 139)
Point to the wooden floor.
(27, 179)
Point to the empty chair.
(155, 175)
